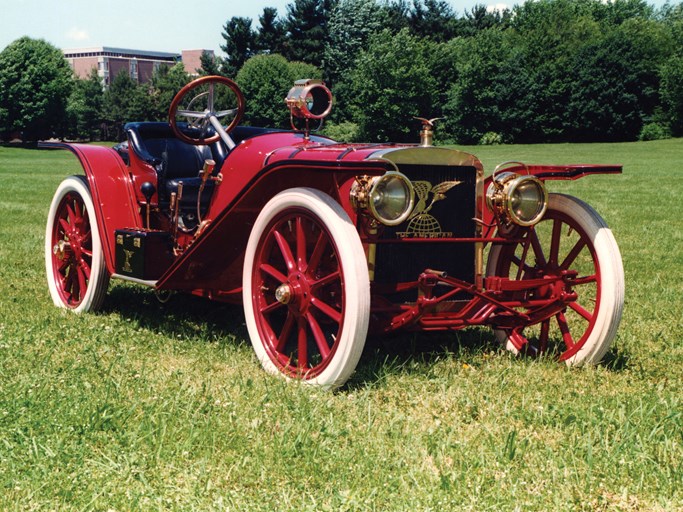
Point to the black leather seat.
(174, 160)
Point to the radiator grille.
(437, 219)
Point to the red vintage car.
(326, 243)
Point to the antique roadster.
(326, 243)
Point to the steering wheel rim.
(206, 115)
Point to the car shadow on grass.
(179, 315)
(190, 317)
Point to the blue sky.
(159, 25)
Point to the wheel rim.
(72, 250)
(298, 293)
(558, 243)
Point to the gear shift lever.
(148, 190)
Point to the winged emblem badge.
(421, 224)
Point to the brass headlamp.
(388, 198)
(516, 199)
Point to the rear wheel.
(306, 289)
(77, 275)
(571, 236)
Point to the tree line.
(543, 71)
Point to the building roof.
(109, 51)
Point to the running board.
(151, 284)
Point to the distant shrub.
(345, 131)
(491, 139)
(654, 131)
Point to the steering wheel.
(201, 103)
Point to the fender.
(111, 189)
(562, 172)
(553, 172)
(212, 265)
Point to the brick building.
(140, 64)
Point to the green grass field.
(147, 406)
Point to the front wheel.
(77, 275)
(571, 236)
(306, 289)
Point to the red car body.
(425, 273)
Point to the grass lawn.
(164, 406)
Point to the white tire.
(571, 236)
(306, 289)
(77, 275)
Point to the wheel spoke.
(302, 343)
(553, 257)
(326, 309)
(300, 245)
(273, 272)
(82, 282)
(318, 335)
(71, 215)
(285, 333)
(543, 338)
(83, 265)
(330, 278)
(571, 257)
(564, 329)
(78, 211)
(269, 308)
(585, 280)
(66, 227)
(587, 315)
(538, 250)
(318, 251)
(285, 250)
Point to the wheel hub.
(60, 249)
(283, 294)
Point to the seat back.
(156, 144)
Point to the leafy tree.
(271, 33)
(390, 83)
(306, 25)
(672, 94)
(35, 84)
(166, 82)
(351, 25)
(117, 104)
(476, 102)
(85, 106)
(616, 81)
(397, 15)
(481, 18)
(265, 81)
(434, 19)
(240, 43)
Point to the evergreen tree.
(271, 33)
(240, 43)
(210, 64)
(306, 25)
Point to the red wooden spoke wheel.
(76, 272)
(571, 236)
(306, 289)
